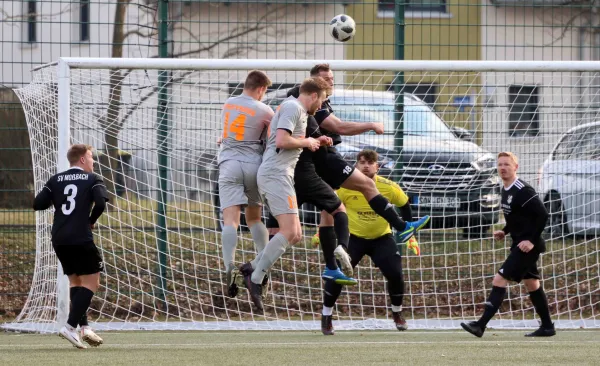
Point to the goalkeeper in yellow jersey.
(370, 234)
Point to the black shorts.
(310, 188)
(332, 167)
(80, 259)
(520, 265)
(384, 253)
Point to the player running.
(245, 123)
(370, 234)
(276, 178)
(72, 193)
(526, 218)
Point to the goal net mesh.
(160, 237)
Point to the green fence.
(37, 32)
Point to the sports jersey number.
(236, 127)
(71, 192)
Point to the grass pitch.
(569, 347)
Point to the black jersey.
(524, 213)
(312, 130)
(72, 193)
(321, 115)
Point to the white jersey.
(290, 116)
(245, 122)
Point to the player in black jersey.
(526, 218)
(334, 170)
(331, 167)
(72, 193)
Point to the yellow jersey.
(363, 221)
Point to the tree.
(139, 18)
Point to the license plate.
(443, 202)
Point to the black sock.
(540, 303)
(80, 304)
(328, 244)
(342, 232)
(332, 292)
(492, 305)
(271, 237)
(73, 291)
(385, 209)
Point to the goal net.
(154, 125)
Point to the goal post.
(160, 237)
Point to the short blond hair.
(508, 154)
(77, 151)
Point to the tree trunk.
(110, 122)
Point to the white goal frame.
(66, 64)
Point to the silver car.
(569, 182)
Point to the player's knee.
(531, 284)
(326, 219)
(499, 281)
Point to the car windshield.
(419, 120)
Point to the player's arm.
(285, 140)
(536, 210)
(400, 200)
(100, 197)
(43, 200)
(333, 124)
(289, 115)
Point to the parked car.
(444, 173)
(569, 183)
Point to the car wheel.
(557, 220)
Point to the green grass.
(574, 347)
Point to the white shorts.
(278, 193)
(237, 184)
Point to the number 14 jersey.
(245, 122)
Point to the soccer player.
(245, 122)
(526, 218)
(370, 234)
(336, 172)
(72, 193)
(276, 178)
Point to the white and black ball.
(342, 28)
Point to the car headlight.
(389, 165)
(486, 162)
(491, 200)
(494, 180)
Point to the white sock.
(396, 308)
(229, 242)
(70, 328)
(260, 236)
(272, 252)
(327, 310)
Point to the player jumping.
(245, 122)
(72, 193)
(276, 178)
(336, 172)
(371, 235)
(526, 218)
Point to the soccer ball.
(342, 28)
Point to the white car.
(569, 183)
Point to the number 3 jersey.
(72, 194)
(245, 122)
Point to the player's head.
(324, 71)
(508, 163)
(81, 155)
(367, 162)
(313, 92)
(256, 84)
